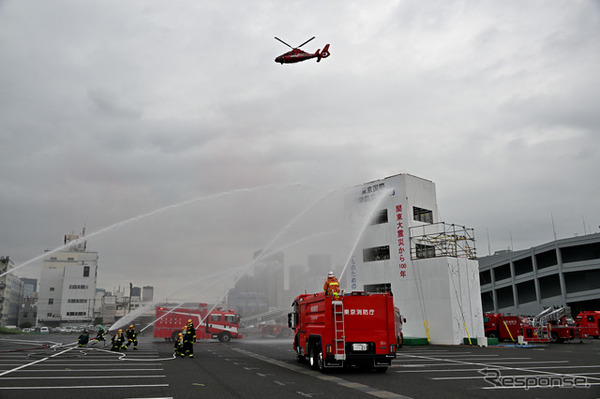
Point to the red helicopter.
(297, 55)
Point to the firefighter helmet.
(189, 321)
(131, 326)
(180, 334)
(120, 331)
(330, 274)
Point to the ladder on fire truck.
(339, 338)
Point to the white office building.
(431, 265)
(11, 289)
(67, 286)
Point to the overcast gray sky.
(113, 109)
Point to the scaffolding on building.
(442, 240)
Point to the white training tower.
(432, 267)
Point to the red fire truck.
(220, 324)
(275, 328)
(589, 323)
(355, 329)
(551, 325)
(502, 327)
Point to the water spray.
(133, 315)
(227, 273)
(136, 218)
(265, 253)
(370, 212)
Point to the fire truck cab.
(355, 329)
(502, 326)
(589, 323)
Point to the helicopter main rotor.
(293, 48)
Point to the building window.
(424, 251)
(78, 287)
(376, 253)
(51, 288)
(76, 314)
(502, 272)
(86, 271)
(77, 300)
(381, 217)
(48, 314)
(50, 301)
(485, 277)
(215, 317)
(422, 215)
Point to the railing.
(442, 240)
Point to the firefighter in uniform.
(332, 285)
(131, 337)
(84, 338)
(189, 337)
(118, 341)
(178, 348)
(100, 335)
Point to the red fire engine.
(349, 329)
(220, 324)
(502, 327)
(551, 325)
(589, 323)
(275, 328)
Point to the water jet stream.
(139, 217)
(367, 220)
(228, 273)
(137, 312)
(266, 251)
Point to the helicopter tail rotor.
(324, 53)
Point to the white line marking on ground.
(81, 377)
(511, 376)
(337, 380)
(85, 370)
(535, 386)
(498, 365)
(85, 387)
(35, 362)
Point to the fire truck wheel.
(321, 361)
(285, 333)
(313, 358)
(224, 337)
(554, 337)
(300, 358)
(381, 369)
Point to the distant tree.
(26, 324)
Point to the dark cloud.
(110, 110)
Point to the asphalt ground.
(52, 366)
